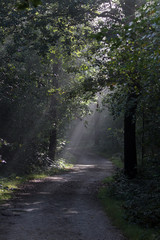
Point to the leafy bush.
(141, 196)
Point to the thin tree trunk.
(53, 115)
(52, 144)
(96, 133)
(130, 153)
(143, 129)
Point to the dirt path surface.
(63, 207)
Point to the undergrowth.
(134, 205)
(8, 185)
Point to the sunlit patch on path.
(62, 207)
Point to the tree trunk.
(53, 115)
(142, 142)
(130, 154)
(52, 144)
(128, 7)
(96, 122)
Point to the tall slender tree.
(130, 153)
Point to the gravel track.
(63, 207)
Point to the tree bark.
(96, 120)
(130, 153)
(52, 144)
(129, 7)
(142, 142)
(53, 115)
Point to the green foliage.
(9, 185)
(141, 197)
(50, 69)
(36, 47)
(131, 56)
(114, 209)
(117, 161)
(128, 63)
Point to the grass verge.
(116, 158)
(8, 185)
(116, 213)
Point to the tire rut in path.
(63, 207)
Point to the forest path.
(63, 207)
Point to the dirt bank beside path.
(63, 207)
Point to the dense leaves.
(129, 63)
(141, 196)
(30, 109)
(56, 56)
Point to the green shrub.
(140, 196)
